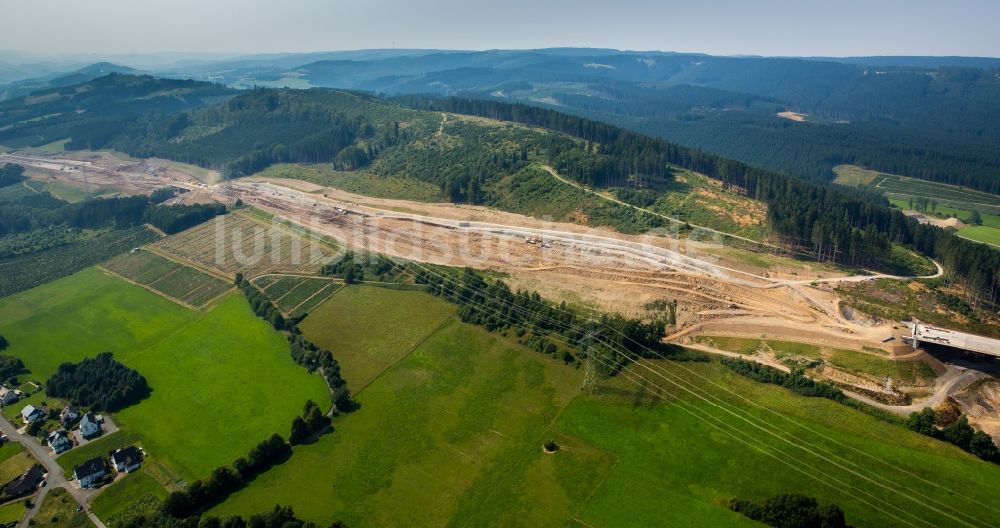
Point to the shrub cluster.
(791, 511)
(10, 366)
(10, 174)
(279, 517)
(303, 351)
(311, 422)
(958, 432)
(796, 381)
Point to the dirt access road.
(596, 267)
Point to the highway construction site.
(715, 294)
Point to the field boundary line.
(447, 320)
(290, 226)
(148, 288)
(293, 288)
(618, 460)
(294, 274)
(958, 234)
(317, 292)
(219, 274)
(156, 230)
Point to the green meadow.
(433, 438)
(369, 328)
(677, 469)
(981, 233)
(451, 435)
(221, 380)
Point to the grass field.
(908, 371)
(903, 187)
(981, 233)
(207, 370)
(451, 436)
(175, 281)
(699, 468)
(848, 360)
(241, 242)
(14, 461)
(360, 182)
(58, 510)
(435, 437)
(407, 317)
(213, 374)
(295, 295)
(15, 466)
(952, 201)
(127, 491)
(12, 512)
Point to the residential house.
(126, 459)
(90, 426)
(26, 483)
(68, 415)
(9, 395)
(59, 441)
(90, 471)
(30, 414)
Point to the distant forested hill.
(936, 118)
(92, 112)
(487, 161)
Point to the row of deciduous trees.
(303, 351)
(226, 479)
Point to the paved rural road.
(55, 479)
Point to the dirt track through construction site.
(592, 267)
(585, 266)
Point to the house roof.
(54, 435)
(29, 410)
(89, 417)
(89, 468)
(128, 456)
(26, 483)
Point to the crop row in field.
(238, 243)
(25, 272)
(172, 279)
(297, 295)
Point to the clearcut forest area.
(566, 287)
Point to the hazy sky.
(769, 27)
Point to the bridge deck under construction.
(924, 333)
